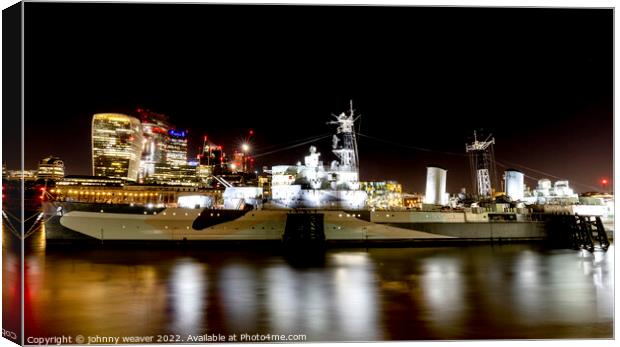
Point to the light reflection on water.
(11, 286)
(188, 285)
(508, 291)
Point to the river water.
(508, 291)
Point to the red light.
(251, 132)
(604, 181)
(205, 137)
(159, 130)
(42, 189)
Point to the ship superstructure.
(315, 185)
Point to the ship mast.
(354, 137)
(482, 161)
(344, 141)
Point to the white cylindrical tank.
(436, 186)
(513, 180)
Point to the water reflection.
(512, 291)
(189, 285)
(11, 285)
(443, 292)
(355, 296)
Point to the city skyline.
(423, 78)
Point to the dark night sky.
(539, 79)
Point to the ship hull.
(84, 222)
(465, 225)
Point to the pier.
(577, 232)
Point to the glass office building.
(117, 145)
(176, 150)
(155, 128)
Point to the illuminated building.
(413, 201)
(187, 173)
(242, 161)
(51, 168)
(155, 129)
(175, 169)
(89, 181)
(178, 175)
(238, 162)
(116, 145)
(27, 175)
(204, 172)
(164, 151)
(91, 189)
(212, 161)
(176, 148)
(383, 195)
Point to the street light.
(245, 147)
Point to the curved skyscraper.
(117, 145)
